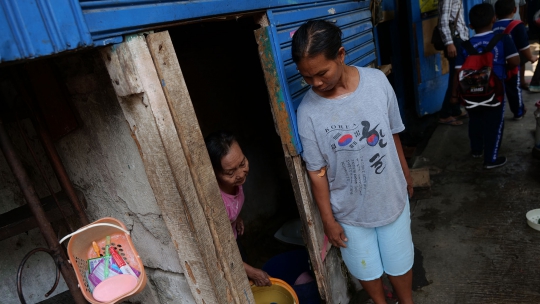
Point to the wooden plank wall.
(313, 231)
(277, 100)
(208, 208)
(204, 244)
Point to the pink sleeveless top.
(233, 205)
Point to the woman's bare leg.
(375, 290)
(403, 287)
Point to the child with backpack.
(481, 70)
(505, 10)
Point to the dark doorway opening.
(222, 70)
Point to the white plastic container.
(532, 219)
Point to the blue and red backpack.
(479, 87)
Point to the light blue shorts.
(372, 251)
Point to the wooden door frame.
(153, 95)
(151, 90)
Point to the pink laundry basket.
(80, 249)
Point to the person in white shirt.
(451, 13)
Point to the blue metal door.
(430, 77)
(41, 27)
(354, 19)
(430, 68)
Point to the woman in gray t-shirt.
(348, 124)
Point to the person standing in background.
(520, 5)
(450, 16)
(505, 10)
(519, 15)
(532, 7)
(486, 123)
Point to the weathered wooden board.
(311, 221)
(340, 289)
(181, 135)
(277, 100)
(145, 132)
(123, 75)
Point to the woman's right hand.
(258, 276)
(335, 233)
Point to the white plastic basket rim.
(91, 226)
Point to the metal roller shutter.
(354, 19)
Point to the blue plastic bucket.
(288, 267)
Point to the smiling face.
(321, 73)
(235, 169)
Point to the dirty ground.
(472, 231)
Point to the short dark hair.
(218, 145)
(481, 15)
(504, 8)
(316, 37)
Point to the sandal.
(451, 122)
(462, 115)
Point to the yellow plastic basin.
(279, 293)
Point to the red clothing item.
(233, 205)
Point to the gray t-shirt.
(352, 136)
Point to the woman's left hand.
(410, 189)
(404, 165)
(240, 226)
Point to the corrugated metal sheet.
(33, 28)
(112, 18)
(354, 19)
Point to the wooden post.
(208, 211)
(145, 107)
(277, 100)
(311, 221)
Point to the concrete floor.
(472, 231)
